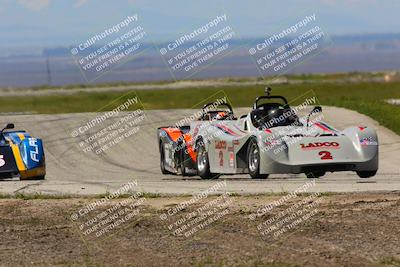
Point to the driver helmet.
(221, 115)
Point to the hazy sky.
(67, 22)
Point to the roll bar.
(213, 103)
(203, 110)
(268, 96)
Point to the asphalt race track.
(70, 170)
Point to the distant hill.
(369, 52)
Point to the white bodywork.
(287, 149)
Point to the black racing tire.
(202, 162)
(253, 160)
(162, 159)
(182, 160)
(366, 174)
(315, 174)
(35, 178)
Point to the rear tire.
(182, 160)
(253, 160)
(366, 174)
(202, 162)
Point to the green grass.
(341, 76)
(89, 85)
(366, 98)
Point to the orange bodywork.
(175, 134)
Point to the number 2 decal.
(325, 155)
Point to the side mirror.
(10, 126)
(316, 109)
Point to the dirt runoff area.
(226, 230)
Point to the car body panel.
(283, 149)
(23, 155)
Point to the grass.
(366, 98)
(89, 85)
(40, 196)
(148, 195)
(391, 261)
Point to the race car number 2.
(325, 155)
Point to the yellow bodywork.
(24, 173)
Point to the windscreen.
(274, 115)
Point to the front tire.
(35, 178)
(253, 159)
(366, 174)
(202, 162)
(315, 174)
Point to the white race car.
(270, 139)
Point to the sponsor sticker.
(368, 141)
(231, 159)
(220, 145)
(318, 145)
(34, 153)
